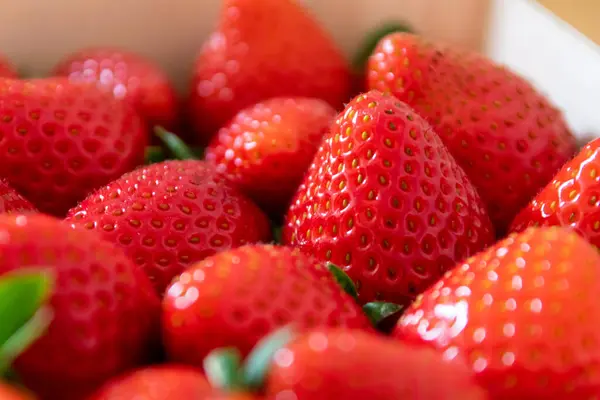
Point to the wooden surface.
(35, 33)
(581, 14)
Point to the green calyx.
(24, 314)
(370, 43)
(175, 146)
(383, 315)
(225, 372)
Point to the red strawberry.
(571, 199)
(385, 199)
(12, 202)
(268, 147)
(169, 215)
(509, 138)
(59, 141)
(104, 309)
(263, 49)
(128, 76)
(163, 382)
(7, 70)
(524, 314)
(235, 297)
(350, 364)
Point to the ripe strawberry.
(236, 297)
(509, 138)
(571, 199)
(267, 148)
(163, 382)
(263, 49)
(59, 141)
(350, 364)
(7, 70)
(385, 199)
(12, 202)
(128, 76)
(169, 215)
(104, 309)
(523, 313)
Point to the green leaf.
(343, 280)
(22, 293)
(370, 43)
(24, 337)
(256, 367)
(174, 144)
(222, 368)
(155, 154)
(383, 315)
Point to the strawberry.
(104, 309)
(12, 202)
(59, 141)
(523, 313)
(7, 70)
(267, 148)
(385, 200)
(351, 364)
(169, 215)
(162, 382)
(263, 49)
(571, 199)
(126, 75)
(508, 137)
(235, 297)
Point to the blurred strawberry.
(59, 141)
(12, 202)
(263, 49)
(385, 200)
(523, 313)
(234, 298)
(508, 137)
(104, 309)
(170, 215)
(267, 148)
(8, 392)
(125, 75)
(351, 364)
(572, 199)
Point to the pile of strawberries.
(420, 228)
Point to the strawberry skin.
(12, 202)
(385, 200)
(163, 382)
(59, 141)
(351, 364)
(509, 139)
(236, 297)
(170, 215)
(8, 392)
(523, 313)
(263, 49)
(267, 148)
(571, 199)
(127, 76)
(104, 309)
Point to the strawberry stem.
(383, 315)
(343, 280)
(154, 154)
(174, 144)
(370, 43)
(256, 367)
(222, 369)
